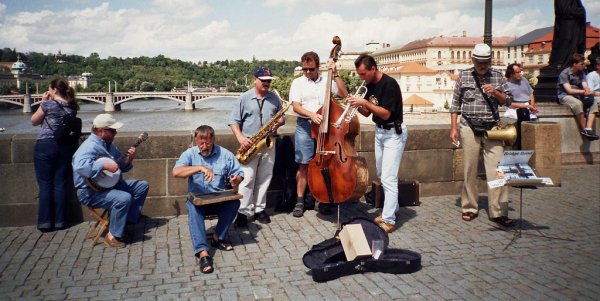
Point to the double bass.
(336, 173)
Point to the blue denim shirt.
(222, 162)
(84, 160)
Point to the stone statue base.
(545, 90)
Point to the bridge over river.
(112, 100)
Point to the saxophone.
(261, 139)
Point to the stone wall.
(429, 158)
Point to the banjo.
(109, 179)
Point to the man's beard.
(482, 71)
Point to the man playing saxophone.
(254, 109)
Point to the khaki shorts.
(577, 106)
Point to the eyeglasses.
(265, 80)
(308, 69)
(110, 130)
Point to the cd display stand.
(513, 170)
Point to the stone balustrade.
(429, 158)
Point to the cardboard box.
(354, 242)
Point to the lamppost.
(487, 26)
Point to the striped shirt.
(468, 100)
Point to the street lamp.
(487, 27)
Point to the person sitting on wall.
(208, 168)
(523, 107)
(593, 79)
(573, 91)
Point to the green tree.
(147, 87)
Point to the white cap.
(106, 121)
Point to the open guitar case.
(327, 260)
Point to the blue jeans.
(389, 147)
(125, 202)
(227, 212)
(51, 162)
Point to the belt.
(385, 126)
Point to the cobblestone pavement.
(461, 261)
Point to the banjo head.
(107, 179)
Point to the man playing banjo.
(96, 163)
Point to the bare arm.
(366, 107)
(300, 110)
(237, 132)
(454, 135)
(37, 117)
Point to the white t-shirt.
(310, 94)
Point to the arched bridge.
(110, 100)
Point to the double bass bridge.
(325, 153)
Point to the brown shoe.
(379, 218)
(113, 242)
(388, 228)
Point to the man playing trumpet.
(384, 100)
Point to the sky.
(211, 30)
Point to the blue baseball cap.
(263, 73)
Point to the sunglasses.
(308, 69)
(265, 80)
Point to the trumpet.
(361, 91)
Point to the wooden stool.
(100, 219)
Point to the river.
(169, 115)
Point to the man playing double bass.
(307, 95)
(385, 103)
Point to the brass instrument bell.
(508, 134)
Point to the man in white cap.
(90, 167)
(477, 94)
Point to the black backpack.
(69, 131)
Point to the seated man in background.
(593, 79)
(208, 168)
(573, 91)
(124, 200)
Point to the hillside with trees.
(156, 73)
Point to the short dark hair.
(576, 58)
(204, 131)
(310, 56)
(367, 60)
(510, 70)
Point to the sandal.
(222, 245)
(503, 221)
(388, 228)
(469, 216)
(206, 264)
(298, 210)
